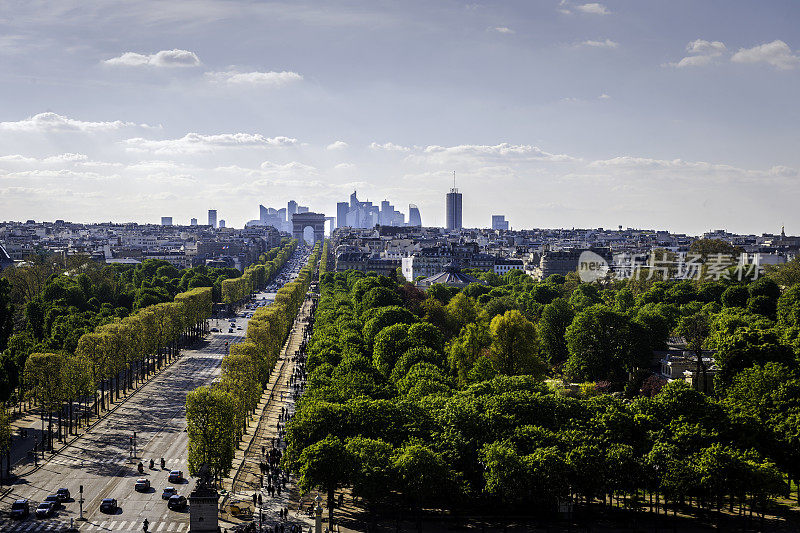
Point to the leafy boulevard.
(462, 399)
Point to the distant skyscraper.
(291, 209)
(263, 213)
(212, 218)
(222, 223)
(499, 222)
(301, 209)
(166, 221)
(413, 216)
(454, 209)
(341, 214)
(193, 222)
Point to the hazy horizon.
(665, 115)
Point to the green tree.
(211, 425)
(604, 344)
(515, 345)
(556, 318)
(326, 464)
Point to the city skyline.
(661, 115)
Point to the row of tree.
(113, 357)
(257, 275)
(438, 397)
(217, 415)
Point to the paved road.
(100, 460)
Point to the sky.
(676, 115)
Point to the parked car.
(20, 509)
(45, 510)
(230, 330)
(175, 476)
(176, 502)
(63, 495)
(214, 330)
(108, 505)
(168, 493)
(142, 485)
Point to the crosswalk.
(83, 462)
(33, 526)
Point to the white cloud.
(701, 53)
(522, 151)
(593, 8)
(503, 29)
(344, 166)
(607, 43)
(263, 79)
(196, 142)
(604, 96)
(389, 147)
(777, 54)
(52, 123)
(337, 145)
(291, 167)
(164, 58)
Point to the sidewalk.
(246, 475)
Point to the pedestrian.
(255, 499)
(279, 490)
(260, 502)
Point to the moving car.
(63, 495)
(45, 510)
(142, 485)
(20, 509)
(168, 493)
(214, 330)
(108, 505)
(175, 476)
(230, 330)
(176, 502)
(55, 500)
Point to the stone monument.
(203, 501)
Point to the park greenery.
(217, 415)
(519, 395)
(74, 334)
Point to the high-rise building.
(222, 223)
(499, 222)
(454, 209)
(301, 209)
(291, 209)
(193, 222)
(166, 221)
(341, 214)
(212, 218)
(413, 216)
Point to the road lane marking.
(171, 526)
(122, 525)
(180, 526)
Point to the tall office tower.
(193, 222)
(166, 221)
(413, 216)
(386, 213)
(453, 209)
(222, 223)
(291, 209)
(341, 214)
(212, 218)
(263, 213)
(302, 209)
(499, 222)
